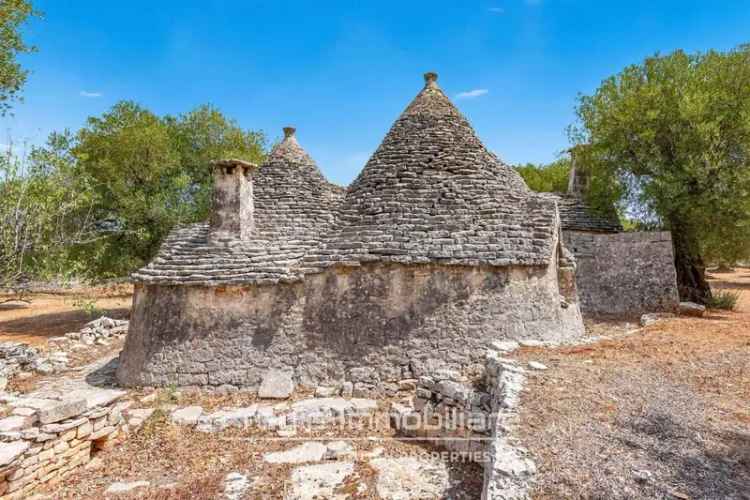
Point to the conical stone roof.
(433, 193)
(293, 207)
(293, 201)
(577, 215)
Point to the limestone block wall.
(475, 422)
(508, 470)
(212, 336)
(370, 325)
(624, 273)
(447, 410)
(45, 440)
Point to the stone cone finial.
(289, 132)
(430, 79)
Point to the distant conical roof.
(294, 206)
(433, 193)
(292, 199)
(575, 212)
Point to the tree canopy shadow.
(57, 323)
(700, 462)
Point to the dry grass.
(662, 413)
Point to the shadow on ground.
(701, 463)
(12, 306)
(104, 376)
(55, 324)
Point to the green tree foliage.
(671, 138)
(204, 135)
(43, 213)
(150, 173)
(98, 203)
(13, 14)
(551, 178)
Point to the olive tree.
(670, 139)
(13, 14)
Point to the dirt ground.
(54, 314)
(662, 413)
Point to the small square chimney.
(232, 211)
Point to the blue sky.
(342, 71)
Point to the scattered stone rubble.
(16, 358)
(100, 332)
(21, 360)
(323, 466)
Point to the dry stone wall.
(447, 410)
(509, 470)
(624, 273)
(45, 439)
(475, 419)
(368, 327)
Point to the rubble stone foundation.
(370, 326)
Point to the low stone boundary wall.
(448, 411)
(44, 439)
(22, 360)
(474, 420)
(508, 471)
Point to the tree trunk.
(691, 271)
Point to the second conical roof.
(291, 198)
(433, 193)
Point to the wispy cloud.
(497, 10)
(471, 94)
(92, 95)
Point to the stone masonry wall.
(370, 326)
(508, 470)
(624, 273)
(44, 440)
(475, 419)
